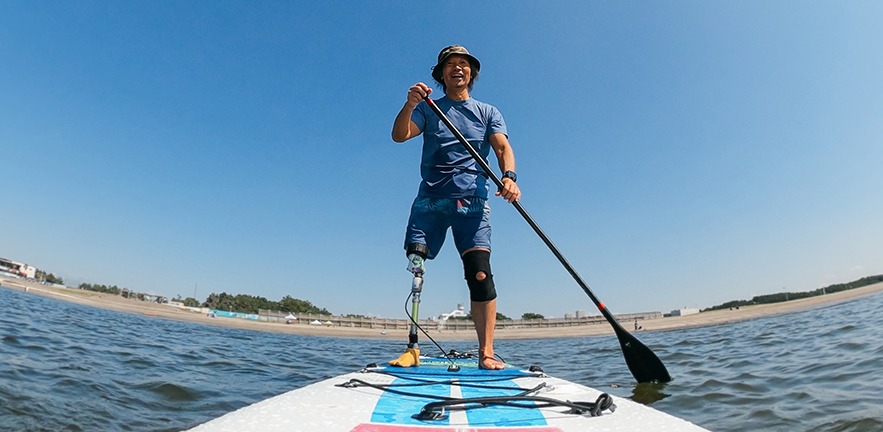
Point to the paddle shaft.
(497, 181)
(628, 342)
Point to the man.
(453, 191)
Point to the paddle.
(642, 361)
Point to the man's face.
(457, 71)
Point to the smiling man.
(453, 192)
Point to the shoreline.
(702, 319)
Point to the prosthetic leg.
(411, 356)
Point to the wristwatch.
(511, 175)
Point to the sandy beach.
(120, 304)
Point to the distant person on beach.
(454, 190)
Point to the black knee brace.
(417, 248)
(474, 262)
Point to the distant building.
(577, 315)
(17, 268)
(460, 312)
(684, 311)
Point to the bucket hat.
(449, 51)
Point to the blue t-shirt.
(447, 168)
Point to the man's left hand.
(510, 191)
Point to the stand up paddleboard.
(432, 397)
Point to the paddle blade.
(642, 361)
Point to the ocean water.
(67, 367)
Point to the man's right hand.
(403, 128)
(417, 93)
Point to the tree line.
(786, 296)
(48, 277)
(242, 303)
(112, 289)
(252, 304)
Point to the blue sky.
(680, 154)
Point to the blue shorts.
(468, 218)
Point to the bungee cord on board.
(523, 398)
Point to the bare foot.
(490, 363)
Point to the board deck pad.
(387, 399)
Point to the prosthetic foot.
(411, 357)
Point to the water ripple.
(73, 368)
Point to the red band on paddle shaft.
(601, 306)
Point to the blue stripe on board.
(397, 409)
(435, 369)
(498, 415)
